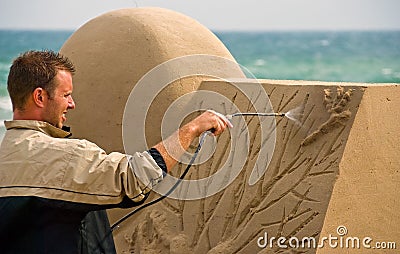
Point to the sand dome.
(113, 51)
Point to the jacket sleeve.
(145, 175)
(108, 178)
(74, 170)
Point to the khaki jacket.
(36, 159)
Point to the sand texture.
(365, 196)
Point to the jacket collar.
(38, 126)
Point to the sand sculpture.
(133, 41)
(334, 164)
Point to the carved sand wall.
(292, 197)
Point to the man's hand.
(210, 121)
(174, 146)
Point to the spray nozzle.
(255, 114)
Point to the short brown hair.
(34, 69)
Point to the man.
(49, 183)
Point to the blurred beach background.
(341, 40)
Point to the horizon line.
(228, 30)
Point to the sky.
(214, 14)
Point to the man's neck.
(26, 115)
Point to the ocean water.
(326, 56)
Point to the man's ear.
(39, 97)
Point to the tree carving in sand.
(336, 106)
(291, 198)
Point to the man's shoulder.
(40, 126)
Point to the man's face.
(61, 101)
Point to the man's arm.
(174, 146)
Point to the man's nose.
(71, 103)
